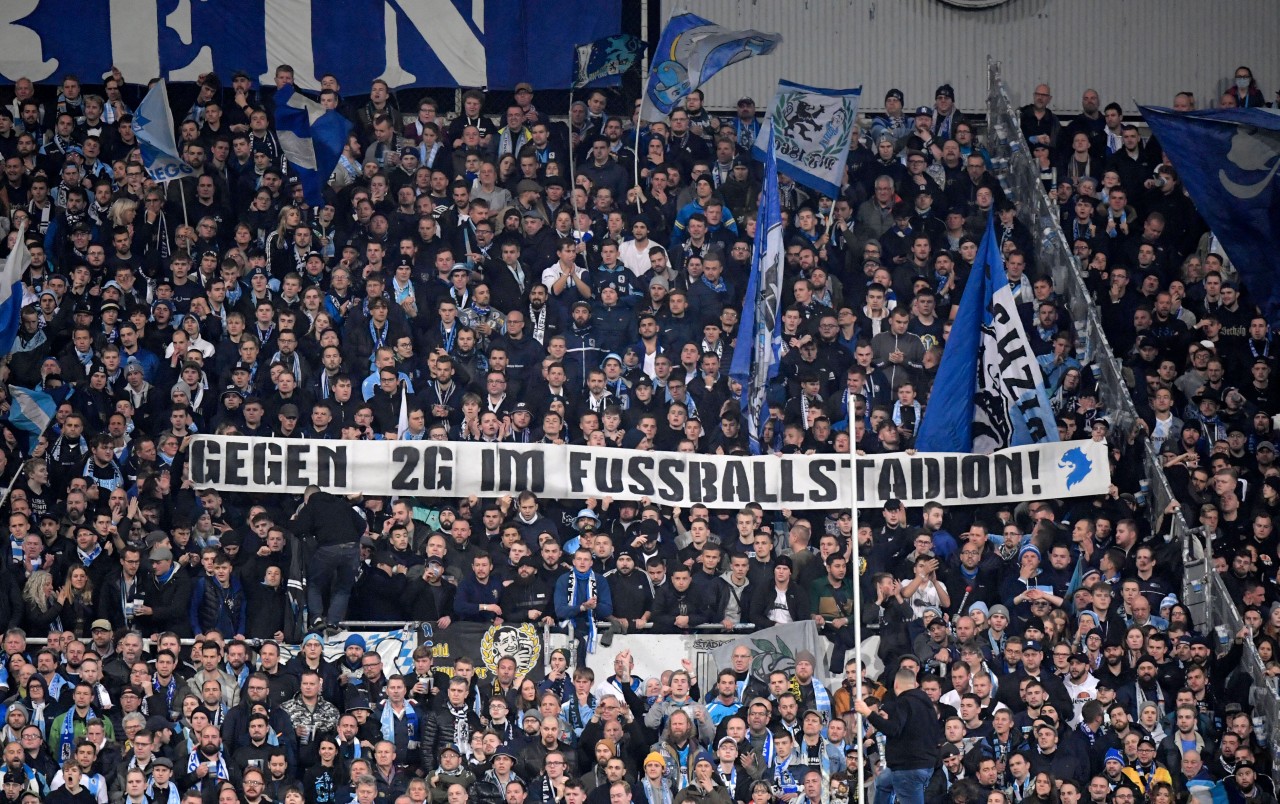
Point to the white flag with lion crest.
(811, 130)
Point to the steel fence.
(1202, 590)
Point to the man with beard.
(1145, 687)
(631, 592)
(1245, 783)
(205, 764)
(542, 752)
(527, 599)
(1081, 686)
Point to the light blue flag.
(756, 363)
(811, 132)
(693, 49)
(30, 410)
(11, 291)
(312, 138)
(153, 126)
(989, 393)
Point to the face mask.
(1242, 84)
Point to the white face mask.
(1242, 84)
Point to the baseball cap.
(105, 625)
(924, 110)
(524, 86)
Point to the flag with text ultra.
(756, 363)
(989, 393)
(12, 291)
(811, 128)
(153, 126)
(693, 49)
(1228, 160)
(312, 138)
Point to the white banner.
(800, 482)
(811, 128)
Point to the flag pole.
(573, 198)
(856, 565)
(644, 90)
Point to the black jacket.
(330, 520)
(762, 601)
(910, 725)
(632, 596)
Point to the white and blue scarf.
(219, 771)
(579, 595)
(388, 724)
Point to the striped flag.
(11, 290)
(755, 364)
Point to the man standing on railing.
(334, 530)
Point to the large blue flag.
(989, 393)
(811, 128)
(1228, 159)
(312, 138)
(153, 126)
(755, 361)
(693, 49)
(613, 55)
(11, 291)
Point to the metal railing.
(1202, 590)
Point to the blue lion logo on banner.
(1077, 464)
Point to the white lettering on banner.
(21, 51)
(461, 469)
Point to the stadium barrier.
(1202, 589)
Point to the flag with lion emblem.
(773, 648)
(811, 131)
(1228, 160)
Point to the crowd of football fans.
(515, 275)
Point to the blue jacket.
(472, 593)
(215, 608)
(565, 610)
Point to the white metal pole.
(855, 568)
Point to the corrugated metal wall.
(1127, 49)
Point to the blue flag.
(755, 362)
(11, 291)
(312, 138)
(31, 410)
(613, 55)
(989, 393)
(1228, 160)
(153, 126)
(811, 128)
(693, 49)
